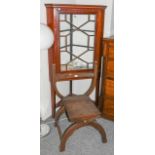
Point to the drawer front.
(110, 66)
(110, 52)
(108, 107)
(109, 88)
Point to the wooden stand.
(81, 114)
(78, 32)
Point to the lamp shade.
(46, 37)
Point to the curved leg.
(68, 132)
(58, 115)
(100, 129)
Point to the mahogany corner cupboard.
(78, 33)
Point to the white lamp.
(46, 41)
(46, 37)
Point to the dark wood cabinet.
(75, 55)
(107, 86)
(78, 32)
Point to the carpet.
(84, 141)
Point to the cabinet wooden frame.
(53, 12)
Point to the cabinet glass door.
(77, 41)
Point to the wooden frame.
(54, 54)
(87, 120)
(56, 74)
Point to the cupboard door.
(78, 32)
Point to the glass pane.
(77, 40)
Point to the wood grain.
(107, 86)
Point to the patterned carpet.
(84, 141)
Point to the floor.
(85, 141)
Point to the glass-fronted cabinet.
(78, 33)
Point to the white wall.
(79, 86)
(108, 13)
(112, 20)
